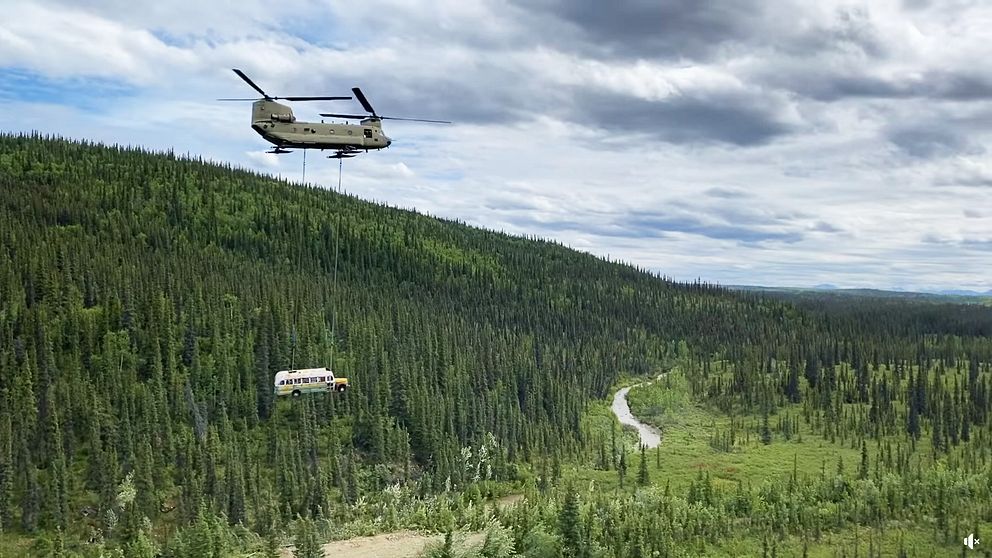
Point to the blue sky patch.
(89, 93)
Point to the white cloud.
(69, 42)
(264, 158)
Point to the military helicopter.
(275, 122)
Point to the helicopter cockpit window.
(368, 132)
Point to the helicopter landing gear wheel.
(341, 388)
(296, 393)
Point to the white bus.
(298, 382)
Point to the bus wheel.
(296, 393)
(341, 388)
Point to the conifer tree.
(568, 523)
(792, 387)
(863, 467)
(622, 467)
(272, 546)
(642, 472)
(140, 547)
(31, 501)
(766, 431)
(307, 544)
(6, 474)
(58, 489)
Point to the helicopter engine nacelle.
(283, 118)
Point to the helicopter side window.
(368, 132)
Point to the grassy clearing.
(686, 451)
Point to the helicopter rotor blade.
(335, 115)
(250, 82)
(358, 116)
(314, 98)
(268, 97)
(415, 119)
(361, 99)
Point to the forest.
(147, 300)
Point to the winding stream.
(650, 436)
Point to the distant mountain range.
(955, 295)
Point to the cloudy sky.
(768, 142)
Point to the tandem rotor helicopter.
(275, 122)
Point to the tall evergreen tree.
(863, 467)
(766, 431)
(6, 474)
(622, 467)
(306, 541)
(569, 524)
(642, 471)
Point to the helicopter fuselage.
(275, 122)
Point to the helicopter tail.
(264, 110)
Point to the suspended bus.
(306, 380)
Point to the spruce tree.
(568, 523)
(863, 468)
(140, 547)
(6, 474)
(306, 541)
(58, 489)
(31, 502)
(642, 472)
(766, 432)
(622, 467)
(271, 545)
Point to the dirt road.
(401, 544)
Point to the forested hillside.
(146, 302)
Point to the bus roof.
(303, 371)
